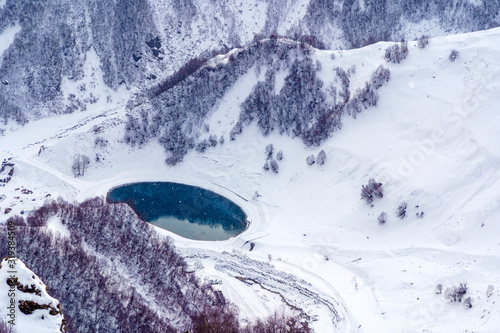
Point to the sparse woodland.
(300, 109)
(115, 274)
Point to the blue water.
(185, 210)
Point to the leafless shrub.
(423, 41)
(371, 191)
(468, 303)
(274, 166)
(310, 160)
(397, 52)
(439, 289)
(453, 55)
(455, 294)
(401, 211)
(489, 291)
(382, 218)
(279, 155)
(321, 159)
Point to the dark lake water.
(188, 211)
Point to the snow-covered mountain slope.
(46, 46)
(283, 86)
(34, 309)
(431, 140)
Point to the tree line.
(114, 273)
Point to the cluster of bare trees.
(301, 108)
(111, 269)
(80, 164)
(226, 321)
(371, 191)
(271, 162)
(397, 52)
(114, 273)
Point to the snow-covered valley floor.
(433, 141)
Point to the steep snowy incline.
(34, 309)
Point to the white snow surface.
(55, 225)
(40, 321)
(432, 140)
(7, 36)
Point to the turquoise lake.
(188, 211)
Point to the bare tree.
(279, 323)
(382, 218)
(80, 164)
(401, 211)
(489, 291)
(455, 294)
(371, 191)
(75, 167)
(453, 55)
(212, 320)
(321, 159)
(397, 52)
(423, 41)
(439, 289)
(468, 303)
(274, 166)
(269, 151)
(380, 76)
(85, 163)
(279, 155)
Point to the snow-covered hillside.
(35, 310)
(431, 140)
